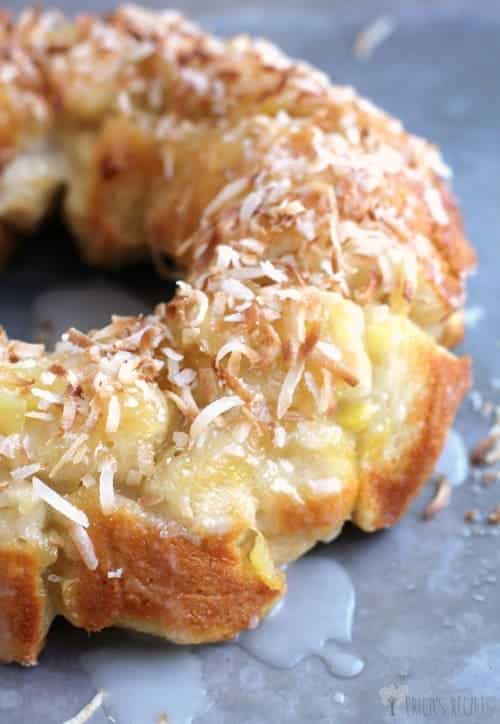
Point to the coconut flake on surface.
(372, 36)
(88, 710)
(238, 346)
(435, 205)
(84, 545)
(114, 414)
(237, 290)
(288, 388)
(279, 437)
(106, 485)
(211, 412)
(116, 573)
(59, 503)
(226, 194)
(25, 471)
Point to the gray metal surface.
(418, 623)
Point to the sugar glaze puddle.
(144, 678)
(315, 618)
(453, 462)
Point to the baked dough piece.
(119, 112)
(155, 474)
(198, 476)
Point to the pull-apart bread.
(157, 473)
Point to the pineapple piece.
(261, 560)
(12, 410)
(356, 415)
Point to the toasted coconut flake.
(327, 399)
(88, 480)
(69, 413)
(237, 290)
(494, 516)
(95, 413)
(47, 378)
(250, 205)
(58, 503)
(17, 350)
(248, 273)
(227, 256)
(185, 377)
(202, 300)
(211, 412)
(70, 454)
(228, 192)
(184, 404)
(25, 471)
(327, 362)
(312, 387)
(369, 39)
(279, 437)
(237, 345)
(479, 454)
(79, 339)
(172, 354)
(273, 273)
(329, 350)
(435, 205)
(116, 573)
(441, 499)
(241, 432)
(234, 317)
(47, 396)
(257, 247)
(107, 471)
(114, 415)
(288, 388)
(84, 546)
(493, 455)
(36, 415)
(10, 446)
(88, 710)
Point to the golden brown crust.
(387, 488)
(186, 590)
(25, 612)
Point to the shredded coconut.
(88, 710)
(25, 471)
(116, 573)
(84, 545)
(56, 501)
(114, 413)
(288, 388)
(106, 485)
(228, 192)
(211, 412)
